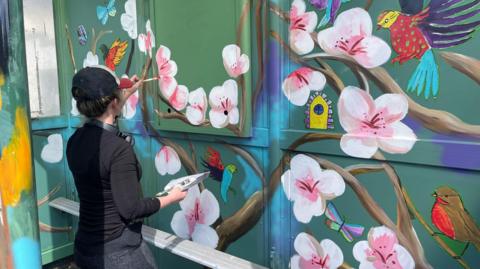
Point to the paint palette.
(184, 183)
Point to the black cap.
(94, 82)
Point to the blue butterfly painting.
(335, 222)
(104, 11)
(82, 35)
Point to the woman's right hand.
(174, 196)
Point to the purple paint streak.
(459, 151)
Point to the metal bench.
(184, 248)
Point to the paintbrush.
(126, 83)
(150, 79)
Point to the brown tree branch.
(466, 65)
(194, 152)
(261, 32)
(241, 22)
(279, 12)
(368, 5)
(51, 229)
(242, 221)
(130, 56)
(249, 159)
(243, 108)
(404, 222)
(436, 120)
(51, 193)
(181, 116)
(70, 48)
(95, 39)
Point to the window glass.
(41, 58)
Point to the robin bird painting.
(415, 32)
(452, 219)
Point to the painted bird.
(452, 219)
(115, 54)
(218, 172)
(415, 32)
(331, 8)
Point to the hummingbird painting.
(415, 32)
(452, 219)
(220, 173)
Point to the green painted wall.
(196, 33)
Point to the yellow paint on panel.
(319, 117)
(16, 162)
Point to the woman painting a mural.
(107, 174)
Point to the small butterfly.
(336, 223)
(82, 35)
(104, 11)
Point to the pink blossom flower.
(197, 108)
(198, 212)
(167, 69)
(235, 63)
(223, 101)
(351, 35)
(130, 108)
(179, 97)
(382, 251)
(167, 161)
(373, 124)
(309, 187)
(299, 83)
(146, 41)
(302, 25)
(314, 255)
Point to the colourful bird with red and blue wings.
(224, 174)
(337, 223)
(416, 32)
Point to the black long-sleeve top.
(107, 174)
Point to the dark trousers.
(126, 254)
